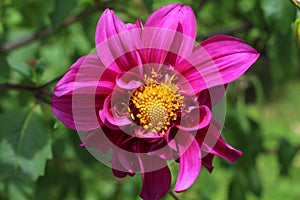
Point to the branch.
(8, 46)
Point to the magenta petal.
(175, 17)
(81, 93)
(86, 76)
(117, 43)
(155, 184)
(190, 164)
(207, 162)
(109, 118)
(96, 139)
(215, 144)
(197, 118)
(217, 61)
(62, 109)
(109, 25)
(169, 34)
(77, 116)
(123, 161)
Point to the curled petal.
(195, 119)
(215, 144)
(107, 115)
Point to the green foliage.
(61, 11)
(24, 147)
(41, 159)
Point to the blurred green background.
(42, 159)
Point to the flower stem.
(173, 195)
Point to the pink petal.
(107, 115)
(81, 93)
(196, 118)
(169, 34)
(175, 17)
(86, 76)
(190, 164)
(122, 163)
(156, 183)
(116, 42)
(218, 61)
(215, 144)
(96, 139)
(109, 25)
(77, 116)
(207, 162)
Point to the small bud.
(296, 27)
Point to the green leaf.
(286, 153)
(254, 181)
(283, 53)
(4, 69)
(279, 15)
(236, 190)
(24, 144)
(21, 67)
(19, 189)
(62, 10)
(148, 4)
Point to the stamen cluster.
(155, 106)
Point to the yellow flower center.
(155, 106)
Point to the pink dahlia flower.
(145, 97)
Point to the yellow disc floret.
(155, 106)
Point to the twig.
(18, 87)
(173, 195)
(50, 82)
(8, 46)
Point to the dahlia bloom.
(146, 96)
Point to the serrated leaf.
(24, 145)
(62, 10)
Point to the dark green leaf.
(236, 190)
(286, 153)
(254, 181)
(283, 53)
(279, 15)
(62, 10)
(24, 145)
(4, 69)
(148, 4)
